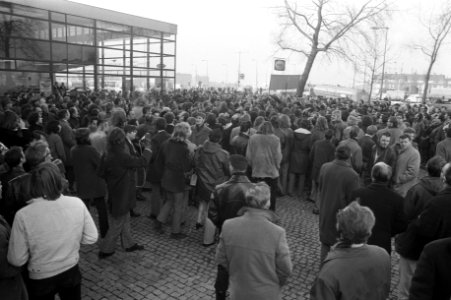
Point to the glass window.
(9, 80)
(140, 44)
(140, 59)
(29, 28)
(168, 47)
(58, 17)
(59, 32)
(30, 12)
(154, 61)
(33, 66)
(61, 78)
(80, 21)
(113, 26)
(169, 62)
(113, 39)
(154, 46)
(145, 73)
(137, 31)
(7, 64)
(29, 49)
(59, 52)
(111, 56)
(81, 55)
(82, 35)
(5, 6)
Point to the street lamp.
(385, 52)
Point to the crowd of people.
(231, 154)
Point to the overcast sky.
(215, 31)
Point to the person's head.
(215, 136)
(392, 122)
(342, 153)
(73, 111)
(384, 140)
(82, 136)
(14, 157)
(258, 121)
(355, 223)
(405, 141)
(116, 140)
(354, 132)
(53, 127)
(381, 172)
(448, 131)
(46, 182)
(35, 118)
(238, 163)
(160, 123)
(130, 131)
(10, 120)
(284, 121)
(266, 128)
(321, 124)
(258, 196)
(200, 118)
(63, 114)
(37, 152)
(329, 134)
(446, 174)
(169, 117)
(371, 130)
(182, 131)
(118, 118)
(410, 132)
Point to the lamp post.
(385, 52)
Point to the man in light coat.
(407, 166)
(254, 251)
(444, 147)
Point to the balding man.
(386, 205)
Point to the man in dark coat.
(337, 181)
(321, 153)
(433, 223)
(155, 168)
(366, 143)
(386, 205)
(68, 137)
(431, 279)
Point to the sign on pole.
(279, 65)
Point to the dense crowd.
(231, 154)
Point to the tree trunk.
(426, 80)
(305, 74)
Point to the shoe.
(199, 226)
(208, 245)
(178, 236)
(158, 226)
(315, 211)
(134, 214)
(103, 255)
(135, 247)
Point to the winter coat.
(155, 168)
(211, 165)
(199, 134)
(419, 196)
(56, 147)
(228, 199)
(264, 155)
(68, 137)
(323, 151)
(356, 153)
(406, 170)
(367, 275)
(255, 252)
(89, 184)
(433, 271)
(366, 143)
(12, 286)
(118, 171)
(433, 223)
(177, 161)
(337, 181)
(444, 149)
(387, 207)
(300, 151)
(286, 141)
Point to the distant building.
(411, 83)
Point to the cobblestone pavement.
(184, 269)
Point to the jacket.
(228, 199)
(433, 272)
(406, 170)
(255, 252)
(118, 171)
(323, 151)
(433, 223)
(337, 181)
(199, 134)
(264, 155)
(177, 162)
(56, 147)
(211, 164)
(89, 184)
(387, 207)
(443, 149)
(367, 275)
(356, 153)
(155, 168)
(68, 138)
(300, 151)
(419, 196)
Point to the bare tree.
(320, 26)
(438, 28)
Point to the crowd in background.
(231, 154)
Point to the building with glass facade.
(48, 41)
